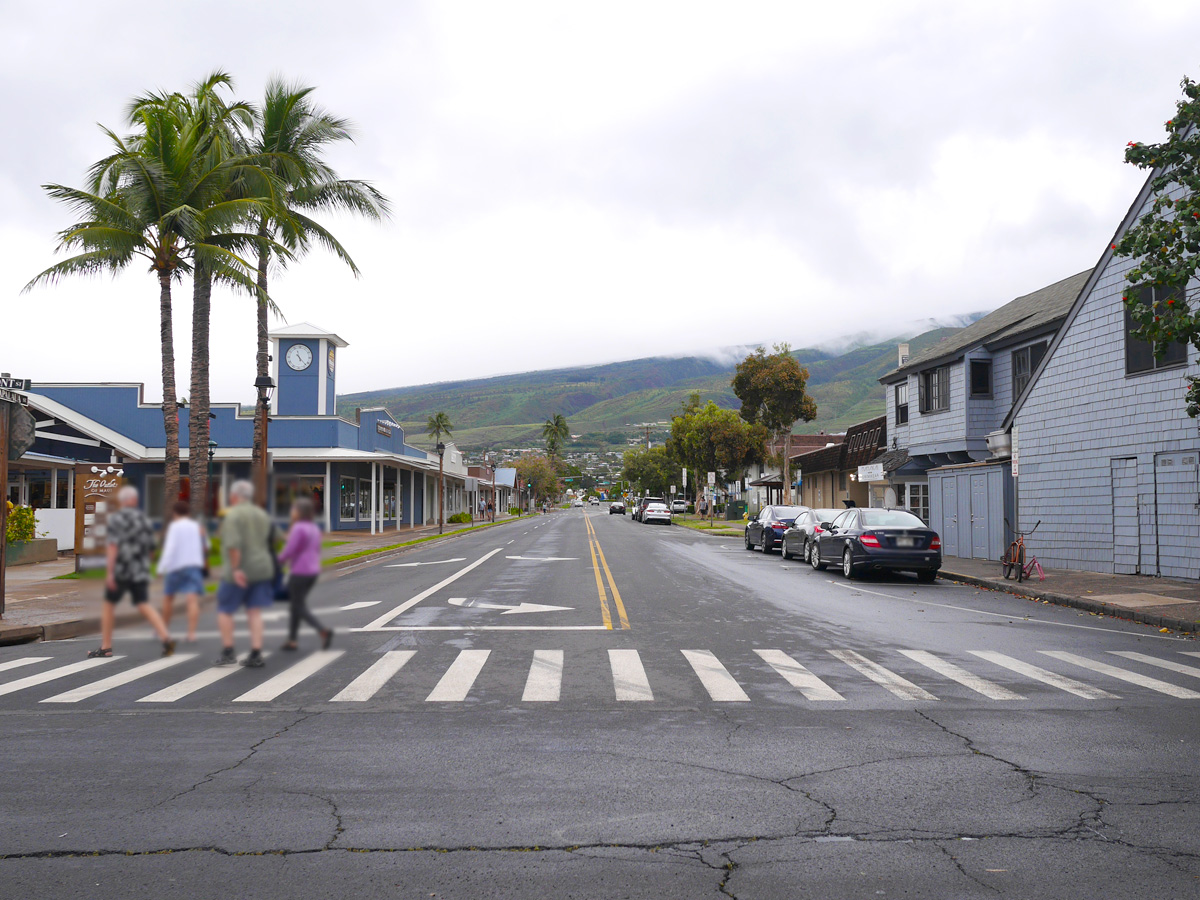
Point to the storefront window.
(349, 504)
(364, 500)
(63, 488)
(918, 500)
(289, 487)
(38, 485)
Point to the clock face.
(299, 357)
(330, 360)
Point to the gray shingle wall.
(898, 434)
(1082, 413)
(938, 427)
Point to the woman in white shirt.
(182, 565)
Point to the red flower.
(1131, 144)
(1170, 303)
(1114, 246)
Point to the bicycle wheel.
(1006, 561)
(1020, 563)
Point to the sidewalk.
(42, 606)
(1160, 602)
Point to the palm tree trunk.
(170, 402)
(198, 423)
(262, 362)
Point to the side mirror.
(827, 526)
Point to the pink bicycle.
(1014, 557)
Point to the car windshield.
(657, 507)
(826, 515)
(788, 513)
(890, 518)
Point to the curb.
(1082, 603)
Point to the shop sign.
(96, 489)
(871, 472)
(384, 428)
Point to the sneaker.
(254, 660)
(168, 648)
(227, 658)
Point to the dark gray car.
(799, 539)
(765, 531)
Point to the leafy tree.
(653, 470)
(711, 439)
(555, 433)
(540, 473)
(1165, 241)
(772, 389)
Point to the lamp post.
(265, 386)
(441, 449)
(212, 451)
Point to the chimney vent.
(904, 354)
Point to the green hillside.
(601, 402)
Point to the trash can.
(735, 510)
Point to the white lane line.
(808, 684)
(490, 628)
(193, 683)
(61, 672)
(122, 678)
(435, 562)
(544, 684)
(1045, 676)
(23, 661)
(409, 604)
(721, 686)
(1145, 681)
(885, 678)
(629, 676)
(1161, 663)
(361, 604)
(459, 678)
(989, 689)
(366, 685)
(289, 678)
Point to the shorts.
(139, 592)
(189, 580)
(257, 595)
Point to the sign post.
(712, 499)
(9, 402)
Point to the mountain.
(603, 403)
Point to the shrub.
(20, 524)
(459, 518)
(514, 510)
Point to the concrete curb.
(1083, 603)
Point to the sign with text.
(9, 383)
(712, 477)
(1016, 454)
(871, 472)
(12, 397)
(384, 428)
(672, 489)
(96, 489)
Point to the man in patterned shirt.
(130, 547)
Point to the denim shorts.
(257, 595)
(189, 580)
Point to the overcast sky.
(578, 183)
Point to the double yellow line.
(594, 545)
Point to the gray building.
(1106, 454)
(948, 461)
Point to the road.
(582, 706)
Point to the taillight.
(817, 529)
(869, 540)
(777, 528)
(936, 543)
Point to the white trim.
(328, 495)
(323, 372)
(90, 427)
(66, 438)
(372, 498)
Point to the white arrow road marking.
(544, 558)
(361, 604)
(435, 562)
(508, 610)
(378, 624)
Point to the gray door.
(979, 517)
(1177, 520)
(949, 525)
(1126, 537)
(963, 490)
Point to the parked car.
(656, 511)
(639, 513)
(868, 539)
(765, 531)
(595, 501)
(678, 506)
(799, 538)
(616, 508)
(578, 503)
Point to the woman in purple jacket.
(303, 554)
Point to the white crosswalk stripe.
(121, 678)
(544, 684)
(716, 679)
(289, 678)
(193, 683)
(1145, 681)
(808, 684)
(629, 676)
(61, 672)
(1168, 664)
(367, 685)
(459, 678)
(989, 689)
(1045, 676)
(885, 678)
(23, 661)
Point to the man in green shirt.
(247, 572)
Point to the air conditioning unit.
(999, 444)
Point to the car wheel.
(783, 550)
(848, 563)
(927, 576)
(807, 551)
(814, 558)
(749, 546)
(764, 543)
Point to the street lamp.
(265, 386)
(212, 451)
(441, 449)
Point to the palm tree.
(439, 424)
(555, 433)
(290, 136)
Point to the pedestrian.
(182, 564)
(247, 572)
(130, 546)
(302, 552)
(491, 511)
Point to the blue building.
(361, 474)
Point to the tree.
(439, 424)
(1165, 241)
(772, 389)
(711, 439)
(556, 432)
(290, 137)
(539, 473)
(653, 470)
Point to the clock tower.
(304, 363)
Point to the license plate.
(905, 542)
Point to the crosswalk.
(827, 678)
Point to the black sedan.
(863, 540)
(616, 508)
(765, 531)
(798, 540)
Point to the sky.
(577, 183)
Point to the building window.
(841, 481)
(918, 501)
(902, 404)
(1024, 363)
(981, 378)
(1139, 355)
(348, 508)
(935, 390)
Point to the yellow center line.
(613, 587)
(604, 610)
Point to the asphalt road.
(581, 706)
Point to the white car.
(678, 506)
(595, 501)
(578, 503)
(656, 512)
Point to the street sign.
(685, 479)
(14, 384)
(12, 397)
(672, 489)
(21, 431)
(712, 477)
